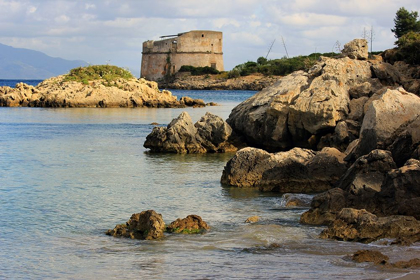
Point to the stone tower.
(197, 48)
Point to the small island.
(102, 86)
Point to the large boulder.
(373, 183)
(388, 112)
(209, 135)
(145, 225)
(386, 73)
(301, 107)
(400, 192)
(356, 188)
(297, 171)
(356, 49)
(362, 226)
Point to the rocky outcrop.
(356, 49)
(209, 135)
(56, 92)
(302, 107)
(298, 170)
(145, 225)
(373, 183)
(362, 226)
(189, 225)
(389, 112)
(184, 80)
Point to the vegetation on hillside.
(405, 22)
(407, 31)
(108, 73)
(279, 67)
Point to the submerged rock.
(189, 225)
(370, 256)
(380, 259)
(209, 135)
(145, 225)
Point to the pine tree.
(405, 22)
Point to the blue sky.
(101, 31)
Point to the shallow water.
(68, 175)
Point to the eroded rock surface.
(145, 225)
(55, 92)
(356, 49)
(189, 225)
(210, 134)
(302, 107)
(373, 183)
(298, 170)
(389, 111)
(363, 226)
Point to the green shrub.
(234, 73)
(279, 67)
(108, 73)
(409, 47)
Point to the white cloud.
(89, 6)
(62, 19)
(223, 22)
(31, 10)
(311, 19)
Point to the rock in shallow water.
(298, 170)
(370, 256)
(209, 135)
(149, 225)
(363, 226)
(189, 225)
(145, 225)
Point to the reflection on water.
(68, 175)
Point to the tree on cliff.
(405, 22)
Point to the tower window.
(202, 35)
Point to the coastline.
(186, 81)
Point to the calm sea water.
(68, 175)
(12, 83)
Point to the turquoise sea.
(68, 175)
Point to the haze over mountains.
(16, 63)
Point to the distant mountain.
(18, 63)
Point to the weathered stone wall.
(196, 48)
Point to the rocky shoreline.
(186, 81)
(348, 129)
(58, 93)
